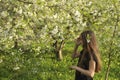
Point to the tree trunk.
(108, 66)
(110, 55)
(110, 49)
(15, 43)
(58, 49)
(59, 54)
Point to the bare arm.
(89, 72)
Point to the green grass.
(46, 67)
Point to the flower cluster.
(88, 38)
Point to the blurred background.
(36, 37)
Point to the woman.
(89, 59)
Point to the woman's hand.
(78, 41)
(73, 67)
(73, 55)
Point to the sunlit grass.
(46, 67)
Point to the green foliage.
(19, 66)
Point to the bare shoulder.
(92, 61)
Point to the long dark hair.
(90, 45)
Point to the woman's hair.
(90, 45)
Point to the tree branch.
(25, 2)
(110, 49)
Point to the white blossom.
(90, 3)
(16, 68)
(1, 60)
(20, 11)
(55, 16)
(77, 13)
(4, 13)
(55, 30)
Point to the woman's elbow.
(91, 74)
